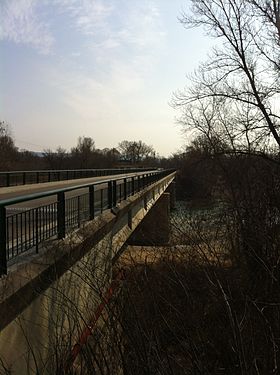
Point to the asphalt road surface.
(17, 191)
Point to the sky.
(104, 69)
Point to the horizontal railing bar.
(77, 170)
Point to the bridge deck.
(15, 191)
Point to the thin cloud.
(103, 24)
(142, 26)
(130, 23)
(124, 52)
(87, 16)
(134, 38)
(21, 24)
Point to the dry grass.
(188, 309)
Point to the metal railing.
(35, 177)
(61, 212)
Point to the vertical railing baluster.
(124, 189)
(43, 222)
(37, 229)
(25, 230)
(101, 200)
(12, 224)
(3, 240)
(120, 192)
(91, 202)
(61, 215)
(110, 194)
(79, 209)
(7, 238)
(132, 185)
(54, 218)
(21, 233)
(114, 199)
(29, 229)
(16, 216)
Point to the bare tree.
(8, 150)
(83, 152)
(233, 99)
(135, 151)
(55, 159)
(239, 84)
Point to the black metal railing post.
(79, 211)
(114, 199)
(61, 215)
(124, 189)
(101, 200)
(144, 180)
(110, 194)
(138, 185)
(91, 202)
(8, 179)
(3, 239)
(37, 230)
(148, 179)
(132, 185)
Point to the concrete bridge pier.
(154, 230)
(172, 190)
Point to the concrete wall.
(43, 334)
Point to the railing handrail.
(75, 170)
(29, 197)
(16, 178)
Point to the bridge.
(16, 178)
(57, 248)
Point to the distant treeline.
(83, 155)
